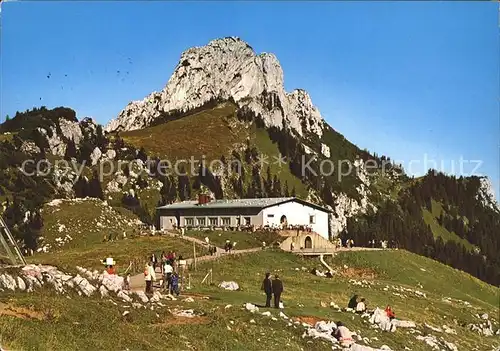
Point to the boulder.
(142, 296)
(95, 156)
(112, 282)
(122, 295)
(250, 307)
(7, 282)
(229, 285)
(110, 154)
(103, 291)
(21, 284)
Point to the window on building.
(189, 221)
(226, 221)
(247, 220)
(201, 221)
(270, 215)
(213, 221)
(312, 219)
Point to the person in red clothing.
(111, 270)
(389, 312)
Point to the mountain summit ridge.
(226, 69)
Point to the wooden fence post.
(194, 255)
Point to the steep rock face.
(346, 207)
(486, 194)
(226, 69)
(71, 130)
(75, 131)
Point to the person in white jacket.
(361, 306)
(149, 277)
(343, 335)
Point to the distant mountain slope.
(465, 235)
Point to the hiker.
(167, 275)
(149, 277)
(343, 335)
(390, 313)
(163, 260)
(353, 302)
(292, 246)
(361, 307)
(110, 269)
(154, 260)
(277, 288)
(174, 284)
(268, 289)
(170, 257)
(126, 282)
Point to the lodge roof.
(239, 203)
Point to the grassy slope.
(87, 247)
(93, 324)
(211, 133)
(394, 268)
(244, 240)
(87, 221)
(89, 323)
(431, 219)
(207, 133)
(137, 249)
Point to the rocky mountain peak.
(226, 69)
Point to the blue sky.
(411, 80)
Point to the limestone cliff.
(225, 69)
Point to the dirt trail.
(137, 281)
(20, 312)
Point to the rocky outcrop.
(486, 194)
(71, 130)
(29, 147)
(57, 138)
(346, 207)
(57, 146)
(86, 283)
(226, 69)
(95, 156)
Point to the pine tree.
(95, 188)
(268, 183)
(286, 193)
(70, 151)
(276, 186)
(81, 188)
(37, 221)
(142, 155)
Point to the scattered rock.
(250, 307)
(229, 286)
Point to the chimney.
(203, 199)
